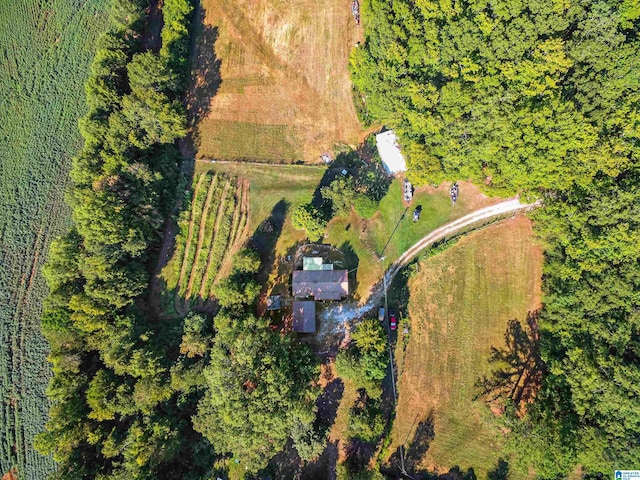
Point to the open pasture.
(460, 302)
(271, 82)
(46, 49)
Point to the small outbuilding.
(390, 153)
(304, 316)
(274, 302)
(315, 263)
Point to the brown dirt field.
(279, 87)
(460, 303)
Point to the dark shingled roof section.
(304, 316)
(321, 284)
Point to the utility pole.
(386, 310)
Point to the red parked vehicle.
(393, 323)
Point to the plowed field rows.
(46, 49)
(212, 226)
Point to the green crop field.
(46, 48)
(460, 303)
(212, 226)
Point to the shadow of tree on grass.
(518, 366)
(205, 79)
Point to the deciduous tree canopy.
(542, 98)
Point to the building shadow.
(350, 263)
(518, 368)
(205, 78)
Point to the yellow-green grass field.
(271, 80)
(460, 302)
(46, 50)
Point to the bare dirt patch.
(283, 91)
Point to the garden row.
(212, 227)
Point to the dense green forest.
(134, 396)
(541, 98)
(46, 50)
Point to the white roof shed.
(390, 154)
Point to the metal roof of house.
(304, 316)
(321, 284)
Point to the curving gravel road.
(339, 313)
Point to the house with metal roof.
(320, 284)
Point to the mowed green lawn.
(369, 237)
(459, 304)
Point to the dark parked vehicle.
(393, 322)
(416, 213)
(453, 192)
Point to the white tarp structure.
(390, 153)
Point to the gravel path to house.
(336, 317)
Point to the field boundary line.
(260, 164)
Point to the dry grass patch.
(284, 89)
(460, 303)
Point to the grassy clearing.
(269, 185)
(46, 49)
(459, 305)
(368, 237)
(212, 226)
(296, 184)
(284, 88)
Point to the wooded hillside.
(541, 98)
